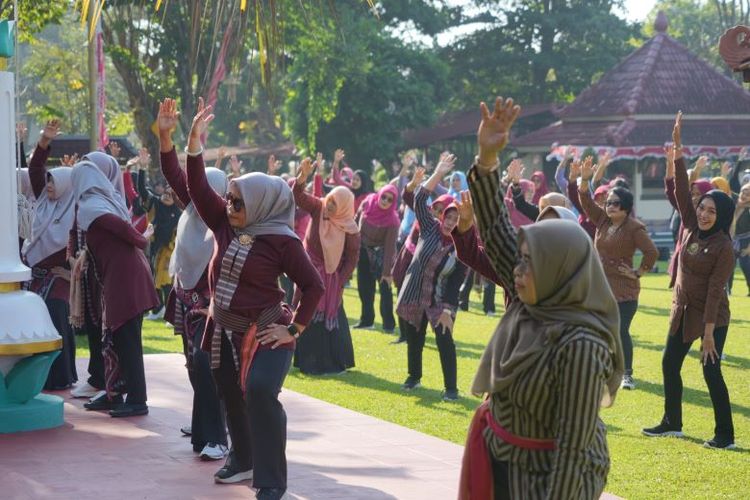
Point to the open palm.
(168, 115)
(494, 129)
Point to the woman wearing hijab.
(361, 187)
(251, 334)
(430, 290)
(114, 250)
(45, 252)
(618, 236)
(700, 307)
(457, 183)
(553, 359)
(540, 186)
(187, 305)
(327, 344)
(378, 226)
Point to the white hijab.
(111, 170)
(24, 184)
(194, 243)
(269, 204)
(53, 219)
(95, 194)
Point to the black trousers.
(96, 360)
(366, 281)
(671, 365)
(63, 371)
(465, 291)
(488, 297)
(745, 266)
(500, 479)
(129, 349)
(208, 423)
(415, 338)
(256, 419)
(627, 312)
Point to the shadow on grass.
(730, 361)
(691, 396)
(429, 398)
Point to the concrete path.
(333, 453)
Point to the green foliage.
(538, 51)
(34, 15)
(354, 85)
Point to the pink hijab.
(335, 227)
(376, 216)
(542, 190)
(517, 218)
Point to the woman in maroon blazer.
(115, 250)
(251, 334)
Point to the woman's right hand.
(465, 212)
(515, 171)
(203, 117)
(587, 169)
(304, 170)
(416, 179)
(494, 130)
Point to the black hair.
(626, 198)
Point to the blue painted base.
(42, 412)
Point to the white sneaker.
(157, 315)
(213, 451)
(627, 382)
(84, 390)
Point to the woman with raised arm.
(618, 236)
(251, 334)
(700, 307)
(327, 344)
(430, 290)
(187, 305)
(378, 226)
(553, 359)
(114, 250)
(45, 252)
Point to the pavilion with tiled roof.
(630, 112)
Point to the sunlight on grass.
(641, 467)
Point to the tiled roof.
(634, 103)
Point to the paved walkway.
(333, 453)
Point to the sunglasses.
(613, 203)
(237, 204)
(387, 198)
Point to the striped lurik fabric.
(557, 398)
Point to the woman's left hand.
(708, 350)
(627, 271)
(276, 334)
(446, 321)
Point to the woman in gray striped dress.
(554, 358)
(430, 290)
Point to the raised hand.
(700, 164)
(168, 117)
(222, 153)
(446, 163)
(305, 170)
(515, 171)
(21, 132)
(669, 152)
(465, 212)
(677, 131)
(726, 168)
(416, 179)
(271, 167)
(144, 158)
(69, 160)
(320, 162)
(49, 132)
(575, 171)
(235, 165)
(203, 117)
(494, 130)
(587, 169)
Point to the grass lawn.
(641, 467)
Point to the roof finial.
(662, 23)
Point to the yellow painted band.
(9, 287)
(30, 348)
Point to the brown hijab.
(572, 290)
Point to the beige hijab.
(335, 227)
(572, 291)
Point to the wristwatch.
(293, 330)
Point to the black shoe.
(399, 340)
(187, 431)
(363, 326)
(450, 395)
(411, 383)
(230, 475)
(663, 430)
(389, 330)
(102, 403)
(129, 410)
(718, 443)
(270, 493)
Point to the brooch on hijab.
(245, 239)
(692, 248)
